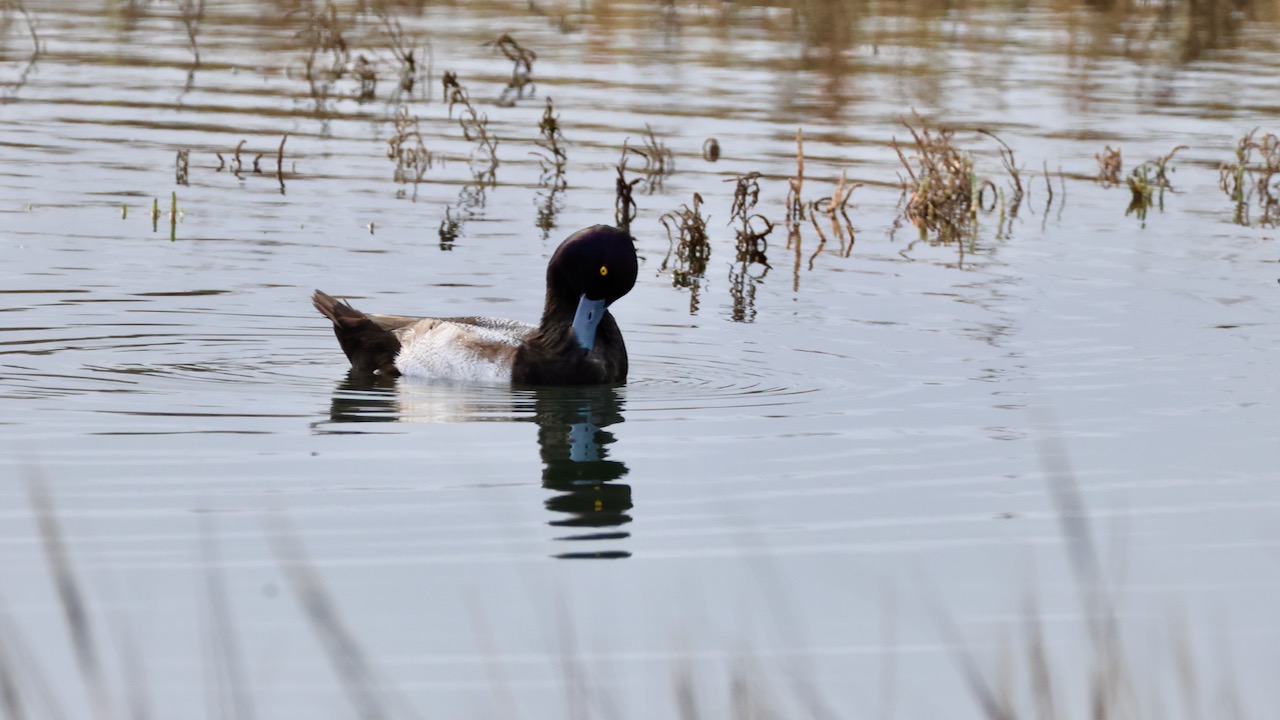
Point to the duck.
(577, 341)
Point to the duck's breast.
(460, 349)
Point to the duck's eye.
(604, 270)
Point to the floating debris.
(711, 150)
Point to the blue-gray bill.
(585, 321)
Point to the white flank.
(460, 351)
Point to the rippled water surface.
(832, 464)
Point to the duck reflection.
(587, 502)
(575, 464)
(364, 397)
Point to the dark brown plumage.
(550, 356)
(369, 347)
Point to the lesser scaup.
(576, 343)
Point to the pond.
(953, 356)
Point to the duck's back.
(467, 349)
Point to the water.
(811, 463)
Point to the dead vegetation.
(16, 7)
(407, 149)
(687, 242)
(940, 192)
(551, 142)
(834, 208)
(624, 204)
(795, 185)
(191, 13)
(1148, 183)
(236, 165)
(1013, 201)
(1109, 166)
(406, 50)
(182, 166)
(1252, 175)
(522, 60)
(474, 124)
(795, 213)
(751, 245)
(8, 10)
(659, 161)
(327, 54)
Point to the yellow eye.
(604, 270)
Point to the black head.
(599, 262)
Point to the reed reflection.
(587, 503)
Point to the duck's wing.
(393, 322)
(459, 349)
(513, 328)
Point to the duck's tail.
(368, 346)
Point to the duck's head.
(592, 267)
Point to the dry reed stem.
(553, 158)
(835, 207)
(353, 670)
(475, 125)
(1011, 167)
(624, 204)
(795, 185)
(71, 598)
